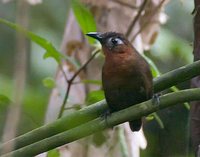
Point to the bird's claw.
(105, 115)
(156, 99)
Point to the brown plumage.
(126, 76)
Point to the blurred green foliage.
(49, 82)
(53, 153)
(171, 51)
(48, 24)
(95, 82)
(4, 100)
(99, 138)
(94, 96)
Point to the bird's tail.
(135, 125)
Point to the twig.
(136, 18)
(148, 22)
(70, 81)
(63, 72)
(86, 63)
(65, 99)
(125, 4)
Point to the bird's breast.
(117, 74)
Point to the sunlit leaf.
(95, 96)
(84, 18)
(53, 153)
(49, 82)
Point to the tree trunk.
(195, 83)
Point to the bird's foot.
(106, 114)
(156, 99)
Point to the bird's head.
(111, 42)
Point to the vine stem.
(93, 111)
(100, 123)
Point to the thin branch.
(70, 81)
(146, 23)
(100, 123)
(96, 51)
(125, 4)
(136, 18)
(93, 111)
(65, 99)
(63, 72)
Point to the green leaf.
(175, 89)
(149, 117)
(50, 49)
(159, 120)
(53, 153)
(154, 116)
(95, 82)
(95, 96)
(154, 69)
(4, 100)
(49, 82)
(84, 18)
(99, 138)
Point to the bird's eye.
(116, 41)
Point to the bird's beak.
(95, 35)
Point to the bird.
(126, 76)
